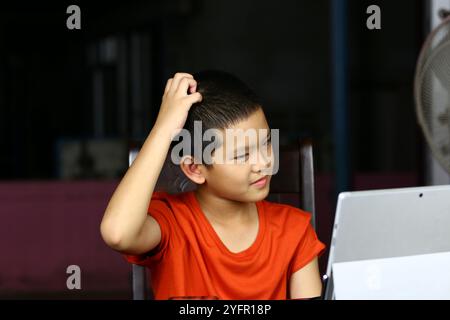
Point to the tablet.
(389, 223)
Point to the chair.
(293, 184)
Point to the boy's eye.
(267, 142)
(242, 156)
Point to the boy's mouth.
(260, 180)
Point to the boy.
(223, 239)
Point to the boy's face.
(237, 165)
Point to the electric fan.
(432, 92)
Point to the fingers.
(168, 85)
(185, 84)
(195, 97)
(177, 78)
(193, 88)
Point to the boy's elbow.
(111, 236)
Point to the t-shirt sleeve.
(161, 211)
(308, 248)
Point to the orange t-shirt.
(191, 260)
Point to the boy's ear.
(195, 172)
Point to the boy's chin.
(258, 194)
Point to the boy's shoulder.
(286, 212)
(163, 195)
(171, 206)
(169, 198)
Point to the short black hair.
(226, 100)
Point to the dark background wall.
(281, 50)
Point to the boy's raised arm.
(126, 225)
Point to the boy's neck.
(224, 211)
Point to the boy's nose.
(264, 162)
